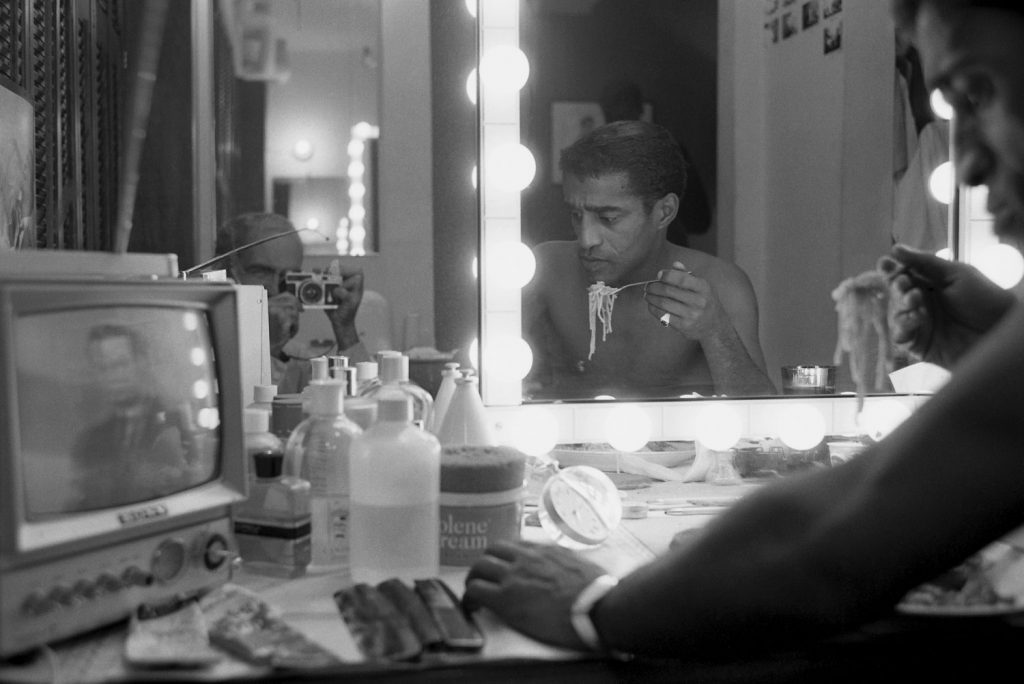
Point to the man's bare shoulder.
(714, 269)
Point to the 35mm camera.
(313, 290)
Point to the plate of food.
(988, 584)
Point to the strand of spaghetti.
(601, 301)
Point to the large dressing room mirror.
(805, 124)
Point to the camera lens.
(311, 293)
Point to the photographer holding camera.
(274, 265)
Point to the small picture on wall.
(833, 36)
(771, 28)
(809, 11)
(789, 25)
(770, 6)
(570, 121)
(787, 3)
(17, 175)
(831, 7)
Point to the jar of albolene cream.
(481, 502)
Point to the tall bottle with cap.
(318, 450)
(319, 371)
(394, 373)
(466, 422)
(263, 397)
(443, 398)
(272, 526)
(396, 470)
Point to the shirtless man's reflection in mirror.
(623, 183)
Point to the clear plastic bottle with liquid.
(396, 479)
(394, 372)
(272, 526)
(318, 450)
(263, 397)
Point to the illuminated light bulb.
(604, 397)
(302, 150)
(364, 130)
(801, 427)
(357, 191)
(190, 321)
(357, 213)
(473, 178)
(471, 8)
(208, 417)
(198, 357)
(938, 103)
(628, 428)
(471, 86)
(940, 183)
(475, 268)
(508, 359)
(474, 353)
(880, 417)
(200, 389)
(718, 427)
(511, 265)
(505, 66)
(512, 167)
(535, 431)
(313, 223)
(1003, 265)
(356, 169)
(945, 253)
(356, 147)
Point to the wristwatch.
(580, 614)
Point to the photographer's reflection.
(270, 264)
(692, 329)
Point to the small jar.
(482, 489)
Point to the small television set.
(120, 448)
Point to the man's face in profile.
(117, 369)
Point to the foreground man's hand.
(940, 308)
(532, 588)
(283, 310)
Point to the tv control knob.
(217, 552)
(63, 595)
(84, 590)
(168, 560)
(108, 584)
(37, 603)
(133, 576)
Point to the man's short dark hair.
(905, 11)
(646, 152)
(245, 228)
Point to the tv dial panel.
(54, 599)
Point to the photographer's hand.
(283, 310)
(348, 295)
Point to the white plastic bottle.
(318, 450)
(443, 398)
(465, 422)
(367, 376)
(396, 481)
(318, 373)
(263, 397)
(394, 372)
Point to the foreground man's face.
(976, 58)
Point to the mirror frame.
(501, 307)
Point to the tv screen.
(117, 405)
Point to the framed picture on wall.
(17, 172)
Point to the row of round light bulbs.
(1003, 264)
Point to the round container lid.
(268, 464)
(472, 469)
(264, 393)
